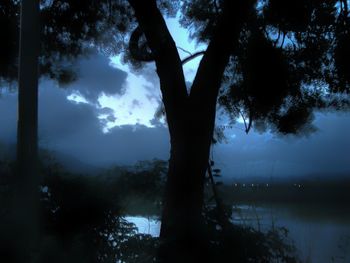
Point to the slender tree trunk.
(27, 177)
(27, 142)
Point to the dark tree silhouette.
(273, 63)
(67, 30)
(270, 62)
(27, 143)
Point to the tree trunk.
(27, 142)
(191, 119)
(27, 177)
(183, 233)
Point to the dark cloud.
(74, 129)
(95, 75)
(59, 117)
(111, 118)
(136, 103)
(129, 143)
(106, 110)
(325, 152)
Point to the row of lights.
(252, 185)
(267, 185)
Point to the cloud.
(75, 129)
(96, 75)
(326, 152)
(60, 118)
(122, 145)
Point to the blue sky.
(107, 117)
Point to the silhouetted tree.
(27, 143)
(67, 29)
(28, 90)
(271, 62)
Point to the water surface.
(320, 234)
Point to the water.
(320, 234)
(146, 225)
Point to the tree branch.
(167, 59)
(184, 50)
(249, 123)
(192, 56)
(208, 79)
(283, 38)
(242, 115)
(138, 53)
(278, 37)
(346, 7)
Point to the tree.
(272, 63)
(62, 44)
(27, 92)
(27, 145)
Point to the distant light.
(243, 185)
(299, 185)
(236, 185)
(267, 185)
(252, 185)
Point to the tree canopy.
(291, 57)
(69, 29)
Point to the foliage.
(239, 243)
(70, 29)
(144, 180)
(236, 243)
(83, 221)
(291, 59)
(9, 45)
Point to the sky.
(106, 118)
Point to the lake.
(321, 234)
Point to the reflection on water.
(146, 225)
(321, 235)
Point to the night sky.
(106, 117)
